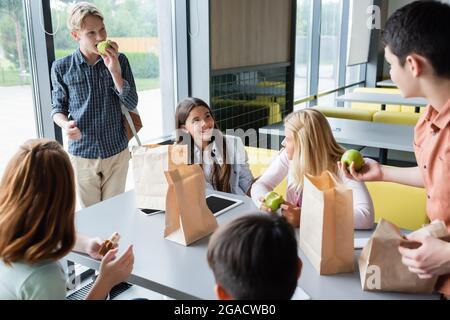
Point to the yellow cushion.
(259, 160)
(346, 113)
(411, 109)
(376, 107)
(403, 205)
(275, 84)
(396, 117)
(275, 115)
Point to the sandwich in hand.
(109, 244)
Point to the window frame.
(41, 53)
(314, 55)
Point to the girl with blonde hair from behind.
(309, 148)
(37, 228)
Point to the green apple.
(353, 156)
(273, 201)
(102, 46)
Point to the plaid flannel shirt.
(86, 94)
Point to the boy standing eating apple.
(88, 89)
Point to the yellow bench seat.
(405, 118)
(347, 113)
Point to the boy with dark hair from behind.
(417, 46)
(255, 258)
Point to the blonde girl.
(309, 148)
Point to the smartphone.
(151, 212)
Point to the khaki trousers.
(100, 179)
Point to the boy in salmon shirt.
(418, 50)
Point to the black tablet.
(219, 204)
(150, 212)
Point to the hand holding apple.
(370, 171)
(109, 51)
(353, 156)
(102, 46)
(262, 207)
(273, 201)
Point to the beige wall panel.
(249, 32)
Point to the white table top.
(382, 98)
(363, 133)
(183, 272)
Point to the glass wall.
(17, 120)
(250, 99)
(133, 24)
(353, 74)
(330, 39)
(303, 48)
(330, 71)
